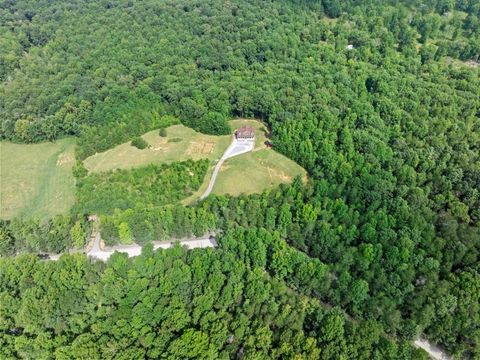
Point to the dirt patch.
(159, 144)
(89, 245)
(196, 147)
(225, 167)
(279, 175)
(65, 159)
(208, 148)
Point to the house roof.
(245, 131)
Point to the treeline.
(200, 304)
(151, 185)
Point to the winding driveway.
(237, 147)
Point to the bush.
(79, 170)
(162, 132)
(139, 143)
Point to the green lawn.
(255, 172)
(36, 179)
(180, 144)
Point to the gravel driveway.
(237, 147)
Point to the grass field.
(255, 172)
(248, 173)
(36, 179)
(180, 144)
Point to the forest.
(151, 185)
(174, 304)
(378, 100)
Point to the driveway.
(237, 147)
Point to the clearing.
(36, 179)
(253, 172)
(180, 144)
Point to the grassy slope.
(256, 171)
(253, 172)
(36, 179)
(193, 145)
(248, 173)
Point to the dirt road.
(434, 352)
(135, 250)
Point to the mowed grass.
(36, 179)
(180, 144)
(255, 172)
(249, 173)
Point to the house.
(245, 132)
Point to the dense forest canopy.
(173, 304)
(378, 100)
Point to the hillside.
(377, 100)
(36, 180)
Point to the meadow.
(255, 172)
(180, 144)
(36, 179)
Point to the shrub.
(139, 143)
(163, 132)
(79, 170)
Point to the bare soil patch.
(64, 159)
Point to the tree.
(78, 235)
(124, 233)
(139, 143)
